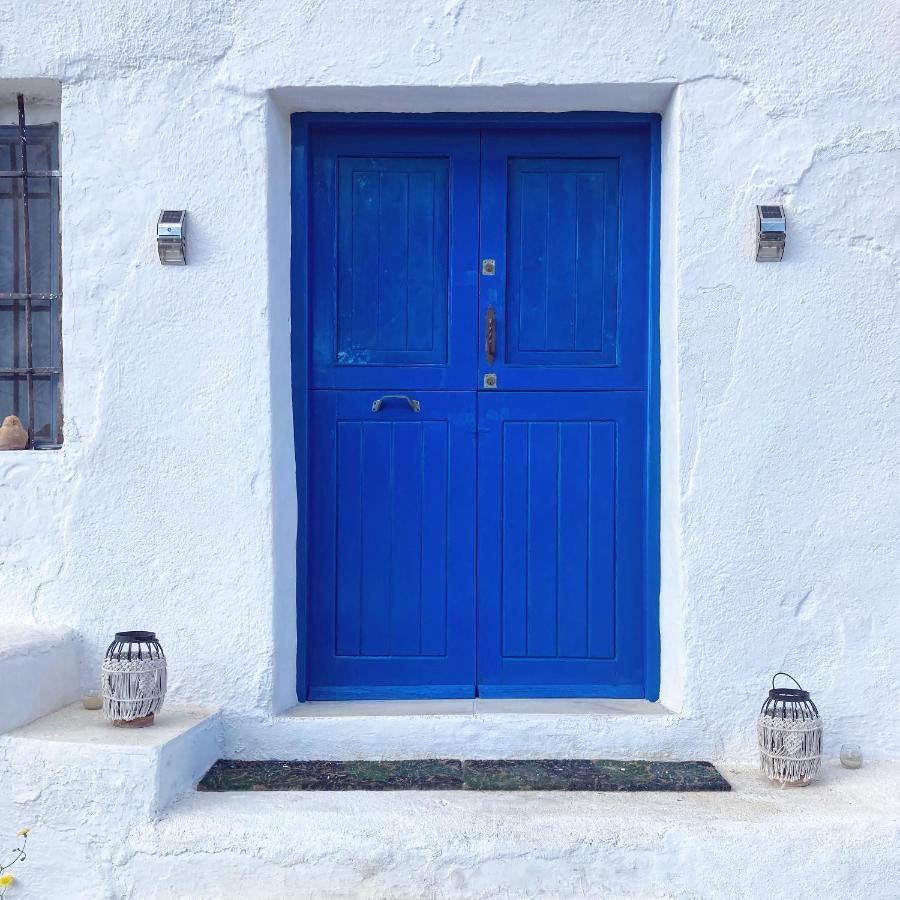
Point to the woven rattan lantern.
(133, 679)
(789, 731)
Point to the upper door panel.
(565, 218)
(393, 279)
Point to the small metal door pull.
(414, 405)
(490, 336)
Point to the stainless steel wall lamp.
(170, 237)
(771, 232)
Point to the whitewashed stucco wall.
(172, 504)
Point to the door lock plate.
(490, 381)
(489, 267)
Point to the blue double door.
(478, 410)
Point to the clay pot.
(12, 434)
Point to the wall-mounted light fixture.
(170, 237)
(771, 232)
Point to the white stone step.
(38, 672)
(835, 839)
(480, 729)
(73, 763)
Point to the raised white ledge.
(76, 752)
(38, 672)
(475, 729)
(76, 725)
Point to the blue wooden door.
(392, 416)
(479, 316)
(562, 455)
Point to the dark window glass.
(43, 377)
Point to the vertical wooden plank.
(608, 203)
(542, 537)
(358, 271)
(561, 261)
(529, 254)
(350, 513)
(500, 230)
(406, 545)
(493, 646)
(460, 544)
(393, 259)
(514, 537)
(602, 533)
(377, 538)
(345, 202)
(321, 554)
(435, 471)
(441, 279)
(590, 254)
(572, 577)
(423, 290)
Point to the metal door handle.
(414, 405)
(490, 336)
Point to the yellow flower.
(22, 832)
(6, 880)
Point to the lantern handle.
(786, 676)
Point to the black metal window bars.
(31, 295)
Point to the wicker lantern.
(789, 731)
(133, 678)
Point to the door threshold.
(346, 708)
(479, 707)
(568, 706)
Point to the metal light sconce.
(170, 237)
(771, 232)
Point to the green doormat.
(463, 775)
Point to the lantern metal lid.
(135, 645)
(788, 702)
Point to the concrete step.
(471, 729)
(837, 838)
(38, 672)
(107, 822)
(72, 764)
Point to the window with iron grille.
(30, 281)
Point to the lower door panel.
(392, 547)
(561, 507)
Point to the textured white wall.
(171, 505)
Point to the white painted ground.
(837, 839)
